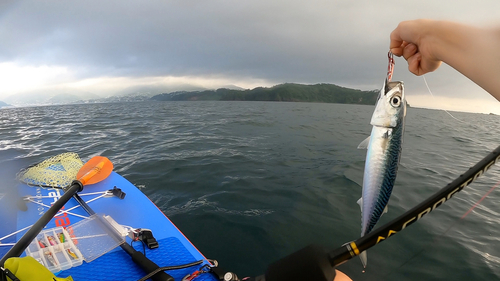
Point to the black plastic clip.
(118, 192)
(144, 235)
(148, 238)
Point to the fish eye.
(396, 101)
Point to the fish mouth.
(393, 86)
(391, 101)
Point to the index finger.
(397, 43)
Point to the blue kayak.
(124, 206)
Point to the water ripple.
(281, 176)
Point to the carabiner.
(203, 269)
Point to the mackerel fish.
(382, 158)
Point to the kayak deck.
(135, 210)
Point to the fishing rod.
(352, 249)
(314, 263)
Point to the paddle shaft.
(31, 234)
(142, 261)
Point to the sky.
(106, 47)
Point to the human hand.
(414, 41)
(340, 276)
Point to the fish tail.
(364, 258)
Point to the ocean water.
(250, 182)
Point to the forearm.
(474, 52)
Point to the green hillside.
(290, 92)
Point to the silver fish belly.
(382, 158)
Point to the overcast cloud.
(103, 47)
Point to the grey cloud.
(273, 41)
(342, 42)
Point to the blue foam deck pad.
(173, 253)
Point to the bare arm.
(474, 52)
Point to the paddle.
(49, 174)
(96, 170)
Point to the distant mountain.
(25, 99)
(63, 99)
(126, 98)
(291, 92)
(327, 93)
(3, 104)
(232, 87)
(47, 98)
(68, 96)
(152, 90)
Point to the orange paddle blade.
(95, 170)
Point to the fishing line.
(434, 97)
(355, 248)
(382, 233)
(441, 236)
(437, 239)
(470, 136)
(427, 85)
